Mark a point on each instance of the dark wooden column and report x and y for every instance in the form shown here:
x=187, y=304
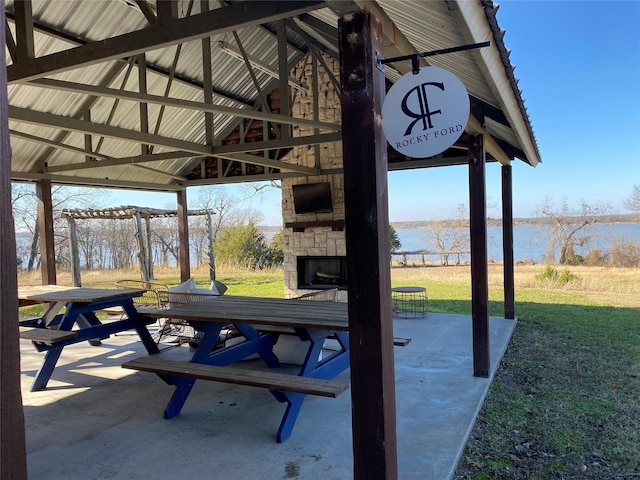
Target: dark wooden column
x=479, y=273
x=45, y=225
x=13, y=460
x=368, y=256
x=507, y=242
x=183, y=236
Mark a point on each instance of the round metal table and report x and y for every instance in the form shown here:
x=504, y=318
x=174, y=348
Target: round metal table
x=409, y=302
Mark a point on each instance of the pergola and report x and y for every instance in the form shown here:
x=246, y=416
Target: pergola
x=164, y=95
x=142, y=234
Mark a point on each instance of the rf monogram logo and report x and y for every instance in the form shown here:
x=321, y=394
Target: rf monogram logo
x=424, y=114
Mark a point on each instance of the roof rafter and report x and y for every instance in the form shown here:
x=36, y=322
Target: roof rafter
x=171, y=32
x=176, y=102
x=231, y=152
x=95, y=181
x=112, y=162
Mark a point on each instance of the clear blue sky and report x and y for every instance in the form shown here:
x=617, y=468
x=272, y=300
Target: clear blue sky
x=579, y=68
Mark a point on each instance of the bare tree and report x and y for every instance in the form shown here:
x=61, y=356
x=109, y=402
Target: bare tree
x=24, y=205
x=118, y=243
x=224, y=211
x=165, y=239
x=570, y=229
x=452, y=235
x=633, y=202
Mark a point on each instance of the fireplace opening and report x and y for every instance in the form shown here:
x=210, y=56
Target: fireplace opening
x=322, y=272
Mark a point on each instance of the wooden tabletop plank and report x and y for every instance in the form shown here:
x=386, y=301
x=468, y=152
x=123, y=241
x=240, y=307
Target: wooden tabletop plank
x=261, y=311
x=60, y=293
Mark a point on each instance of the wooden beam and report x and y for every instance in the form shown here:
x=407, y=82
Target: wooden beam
x=95, y=181
x=24, y=30
x=13, y=458
x=124, y=61
x=368, y=255
x=143, y=107
x=207, y=85
x=110, y=162
x=283, y=68
x=89, y=102
x=11, y=43
x=147, y=11
x=180, y=103
x=183, y=235
x=474, y=127
x=33, y=117
x=59, y=146
x=479, y=269
x=507, y=242
x=171, y=32
x=277, y=143
x=167, y=11
x=45, y=221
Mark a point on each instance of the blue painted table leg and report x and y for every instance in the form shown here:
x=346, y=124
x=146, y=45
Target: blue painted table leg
x=294, y=404
x=266, y=347
x=180, y=395
x=46, y=369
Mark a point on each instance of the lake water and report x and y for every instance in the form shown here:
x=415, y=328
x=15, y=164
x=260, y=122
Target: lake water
x=529, y=242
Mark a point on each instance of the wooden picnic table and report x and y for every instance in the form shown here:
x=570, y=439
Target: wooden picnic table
x=78, y=322
x=311, y=322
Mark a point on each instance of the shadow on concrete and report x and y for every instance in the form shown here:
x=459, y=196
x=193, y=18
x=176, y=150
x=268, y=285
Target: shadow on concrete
x=99, y=421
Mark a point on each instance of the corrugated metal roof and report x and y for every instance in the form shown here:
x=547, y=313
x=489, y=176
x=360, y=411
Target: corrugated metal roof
x=62, y=24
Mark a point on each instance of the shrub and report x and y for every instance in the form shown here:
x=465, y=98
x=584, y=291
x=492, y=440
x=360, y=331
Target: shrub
x=574, y=259
x=626, y=254
x=550, y=275
x=597, y=258
x=243, y=245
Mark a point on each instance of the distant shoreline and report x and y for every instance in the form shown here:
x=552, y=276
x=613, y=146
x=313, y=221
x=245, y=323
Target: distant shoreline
x=521, y=221
x=627, y=218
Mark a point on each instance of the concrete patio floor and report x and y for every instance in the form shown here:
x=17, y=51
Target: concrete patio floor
x=97, y=420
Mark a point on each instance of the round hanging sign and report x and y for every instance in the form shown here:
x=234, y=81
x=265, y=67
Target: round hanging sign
x=425, y=113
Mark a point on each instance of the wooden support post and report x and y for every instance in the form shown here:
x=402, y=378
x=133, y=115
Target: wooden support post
x=45, y=226
x=183, y=236
x=479, y=272
x=144, y=108
x=507, y=243
x=13, y=458
x=283, y=81
x=149, y=245
x=141, y=247
x=75, y=255
x=212, y=257
x=368, y=254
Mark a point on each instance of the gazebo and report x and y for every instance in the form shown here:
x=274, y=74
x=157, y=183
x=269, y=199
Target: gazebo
x=165, y=95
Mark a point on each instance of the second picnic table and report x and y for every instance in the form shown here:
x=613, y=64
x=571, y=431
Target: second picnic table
x=71, y=318
x=256, y=318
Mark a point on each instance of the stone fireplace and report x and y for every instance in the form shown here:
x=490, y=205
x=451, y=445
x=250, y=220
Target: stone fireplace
x=314, y=237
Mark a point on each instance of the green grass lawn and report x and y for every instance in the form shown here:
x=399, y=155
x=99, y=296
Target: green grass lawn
x=565, y=402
